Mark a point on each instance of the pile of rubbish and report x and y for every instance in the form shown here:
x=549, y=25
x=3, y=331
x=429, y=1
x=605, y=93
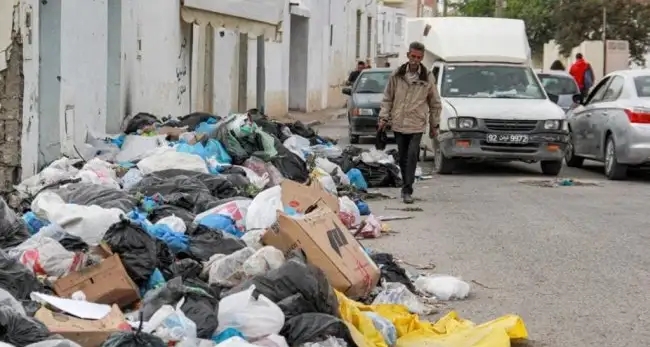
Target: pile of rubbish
x=203, y=231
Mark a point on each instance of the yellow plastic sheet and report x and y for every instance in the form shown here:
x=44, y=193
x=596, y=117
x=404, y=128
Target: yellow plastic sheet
x=448, y=331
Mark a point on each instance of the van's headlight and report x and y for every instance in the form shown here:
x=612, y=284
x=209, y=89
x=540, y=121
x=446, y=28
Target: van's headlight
x=553, y=124
x=461, y=123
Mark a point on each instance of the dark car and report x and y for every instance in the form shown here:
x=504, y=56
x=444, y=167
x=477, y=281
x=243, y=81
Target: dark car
x=364, y=102
x=562, y=85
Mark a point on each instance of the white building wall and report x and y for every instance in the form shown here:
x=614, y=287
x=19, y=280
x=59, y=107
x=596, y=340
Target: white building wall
x=391, y=31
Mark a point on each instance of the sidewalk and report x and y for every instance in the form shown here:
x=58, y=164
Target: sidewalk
x=316, y=117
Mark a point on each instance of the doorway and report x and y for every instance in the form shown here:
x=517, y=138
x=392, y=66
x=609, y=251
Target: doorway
x=298, y=62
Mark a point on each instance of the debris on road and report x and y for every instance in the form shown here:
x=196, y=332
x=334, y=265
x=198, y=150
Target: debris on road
x=405, y=209
x=206, y=231
x=560, y=182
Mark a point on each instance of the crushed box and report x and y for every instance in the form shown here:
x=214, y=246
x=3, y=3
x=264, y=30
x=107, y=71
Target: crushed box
x=329, y=245
x=105, y=283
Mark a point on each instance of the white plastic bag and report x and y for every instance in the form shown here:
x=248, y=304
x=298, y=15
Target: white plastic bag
x=168, y=158
x=171, y=324
x=228, y=271
x=174, y=223
x=327, y=151
x=332, y=169
x=264, y=260
x=54, y=343
x=131, y=178
x=136, y=147
x=7, y=300
x=90, y=223
x=97, y=171
x=262, y=212
x=443, y=287
x=349, y=212
x=236, y=210
x=297, y=144
x=397, y=293
x=330, y=342
x=258, y=181
x=235, y=341
x=371, y=228
x=45, y=256
x=254, y=318
x=253, y=238
x=272, y=340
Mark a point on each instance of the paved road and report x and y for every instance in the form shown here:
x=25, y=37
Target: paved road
x=572, y=261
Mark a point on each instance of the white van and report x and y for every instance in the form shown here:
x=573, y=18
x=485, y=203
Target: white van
x=494, y=107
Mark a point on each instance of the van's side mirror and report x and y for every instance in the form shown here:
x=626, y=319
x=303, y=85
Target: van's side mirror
x=577, y=98
x=553, y=97
x=346, y=90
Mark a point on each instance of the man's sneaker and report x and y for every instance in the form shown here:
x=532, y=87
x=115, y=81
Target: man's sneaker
x=408, y=199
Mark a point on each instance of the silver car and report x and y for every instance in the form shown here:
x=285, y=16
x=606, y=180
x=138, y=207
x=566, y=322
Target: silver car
x=561, y=84
x=612, y=125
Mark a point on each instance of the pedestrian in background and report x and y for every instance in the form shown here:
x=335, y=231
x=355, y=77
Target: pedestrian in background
x=409, y=99
x=557, y=66
x=354, y=74
x=583, y=74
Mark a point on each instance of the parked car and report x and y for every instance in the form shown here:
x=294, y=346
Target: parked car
x=612, y=124
x=364, y=102
x=560, y=83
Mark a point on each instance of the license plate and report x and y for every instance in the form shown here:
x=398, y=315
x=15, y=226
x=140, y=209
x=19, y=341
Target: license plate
x=507, y=138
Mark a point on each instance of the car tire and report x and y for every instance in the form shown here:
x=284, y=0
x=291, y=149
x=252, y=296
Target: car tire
x=572, y=160
x=354, y=139
x=441, y=164
x=551, y=167
x=613, y=169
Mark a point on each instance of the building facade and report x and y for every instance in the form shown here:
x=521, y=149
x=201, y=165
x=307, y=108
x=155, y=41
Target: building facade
x=75, y=67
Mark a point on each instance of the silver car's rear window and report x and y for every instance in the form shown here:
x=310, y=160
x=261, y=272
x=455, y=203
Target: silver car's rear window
x=642, y=84
x=558, y=85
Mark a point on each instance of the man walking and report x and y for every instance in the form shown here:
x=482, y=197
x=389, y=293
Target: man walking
x=583, y=74
x=354, y=74
x=409, y=99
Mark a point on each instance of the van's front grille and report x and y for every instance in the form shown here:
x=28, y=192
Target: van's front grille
x=513, y=126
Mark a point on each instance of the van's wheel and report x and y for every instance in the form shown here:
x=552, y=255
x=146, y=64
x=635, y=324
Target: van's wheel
x=354, y=139
x=442, y=165
x=613, y=169
x=572, y=160
x=551, y=167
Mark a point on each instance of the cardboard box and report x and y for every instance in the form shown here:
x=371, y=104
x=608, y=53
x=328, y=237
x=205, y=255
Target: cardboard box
x=105, y=283
x=300, y=196
x=328, y=245
x=87, y=333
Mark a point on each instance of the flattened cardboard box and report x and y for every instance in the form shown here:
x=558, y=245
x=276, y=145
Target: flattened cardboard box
x=105, y=283
x=87, y=333
x=300, y=197
x=328, y=245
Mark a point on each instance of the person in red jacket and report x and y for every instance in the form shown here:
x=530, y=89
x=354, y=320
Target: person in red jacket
x=582, y=72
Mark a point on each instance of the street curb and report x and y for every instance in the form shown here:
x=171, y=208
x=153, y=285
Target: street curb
x=339, y=115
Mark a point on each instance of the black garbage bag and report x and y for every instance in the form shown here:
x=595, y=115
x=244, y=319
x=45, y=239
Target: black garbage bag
x=219, y=185
x=163, y=211
x=299, y=128
x=231, y=144
x=165, y=256
x=390, y=271
x=16, y=279
x=20, y=330
x=380, y=175
x=13, y=230
x=96, y=194
x=185, y=268
x=140, y=121
x=315, y=327
x=182, y=191
x=133, y=339
x=381, y=139
x=206, y=242
x=295, y=278
x=192, y=120
x=136, y=247
x=292, y=167
x=73, y=243
x=200, y=303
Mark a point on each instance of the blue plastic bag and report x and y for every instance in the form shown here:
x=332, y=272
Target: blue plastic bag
x=215, y=149
x=385, y=327
x=206, y=128
x=357, y=180
x=197, y=149
x=363, y=207
x=34, y=224
x=221, y=222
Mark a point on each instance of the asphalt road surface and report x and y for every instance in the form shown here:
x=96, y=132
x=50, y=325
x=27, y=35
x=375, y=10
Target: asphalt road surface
x=573, y=261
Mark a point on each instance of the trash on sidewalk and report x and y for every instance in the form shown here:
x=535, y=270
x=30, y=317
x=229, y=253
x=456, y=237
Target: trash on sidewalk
x=215, y=231
x=561, y=182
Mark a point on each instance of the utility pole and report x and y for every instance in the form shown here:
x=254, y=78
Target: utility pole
x=444, y=8
x=498, y=8
x=604, y=40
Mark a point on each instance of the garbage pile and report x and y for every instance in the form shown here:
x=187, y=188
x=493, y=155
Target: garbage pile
x=204, y=231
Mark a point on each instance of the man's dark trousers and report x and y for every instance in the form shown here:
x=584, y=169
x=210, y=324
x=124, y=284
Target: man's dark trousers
x=408, y=148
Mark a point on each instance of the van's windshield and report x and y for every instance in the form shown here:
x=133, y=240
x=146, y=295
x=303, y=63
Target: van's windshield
x=490, y=81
